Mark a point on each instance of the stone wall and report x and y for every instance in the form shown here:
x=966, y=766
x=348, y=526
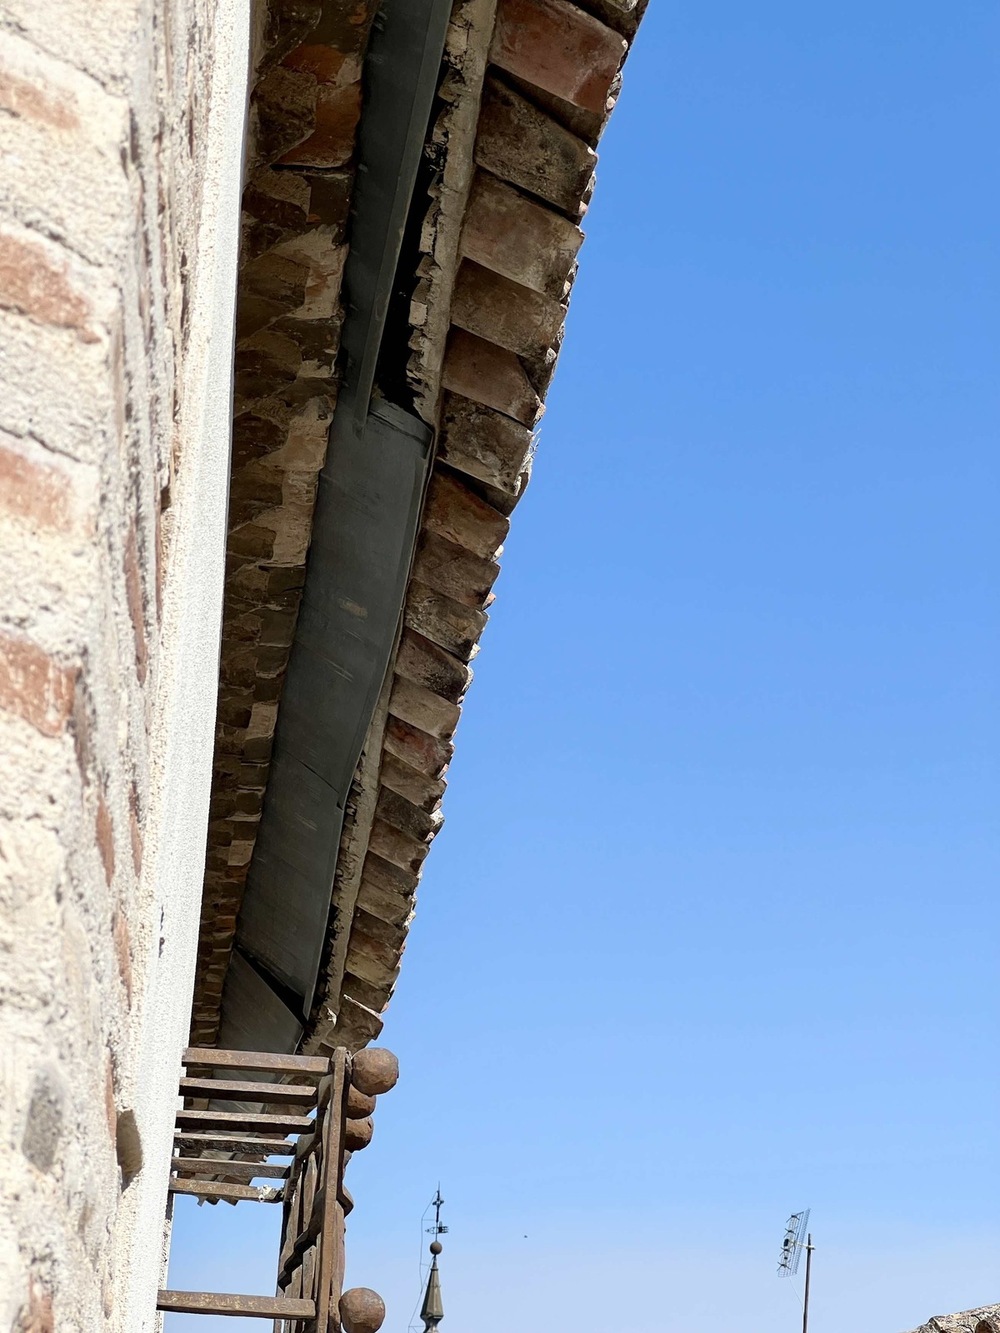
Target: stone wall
x=121, y=126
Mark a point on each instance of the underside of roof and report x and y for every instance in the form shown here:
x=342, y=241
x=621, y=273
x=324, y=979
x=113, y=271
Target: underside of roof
x=417, y=172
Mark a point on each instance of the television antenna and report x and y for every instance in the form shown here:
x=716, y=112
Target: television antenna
x=792, y=1246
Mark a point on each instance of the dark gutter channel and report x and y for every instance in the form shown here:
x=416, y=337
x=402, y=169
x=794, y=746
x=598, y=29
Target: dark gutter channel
x=364, y=532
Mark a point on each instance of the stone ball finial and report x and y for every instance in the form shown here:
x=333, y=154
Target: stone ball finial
x=436, y=1247
x=358, y=1105
x=375, y=1070
x=358, y=1134
x=361, y=1310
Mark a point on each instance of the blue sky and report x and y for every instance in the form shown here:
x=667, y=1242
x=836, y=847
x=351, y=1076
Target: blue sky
x=710, y=933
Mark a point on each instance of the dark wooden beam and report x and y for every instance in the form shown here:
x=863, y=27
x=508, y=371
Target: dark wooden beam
x=261, y=1062
x=273, y=1094
x=221, y=1303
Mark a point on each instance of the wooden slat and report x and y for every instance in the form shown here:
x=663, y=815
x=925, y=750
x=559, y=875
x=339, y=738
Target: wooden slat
x=261, y=1062
x=222, y=1303
x=222, y=1166
x=329, y=1272
x=244, y=1122
x=223, y=1189
x=266, y=1145
x=273, y=1094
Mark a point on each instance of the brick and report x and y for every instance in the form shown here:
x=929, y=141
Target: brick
x=420, y=660
x=44, y=492
x=358, y=1024
x=558, y=47
x=362, y=992
x=451, y=569
x=136, y=604
x=379, y=939
x=386, y=906
x=123, y=952
x=105, y=835
x=34, y=686
x=448, y=623
x=423, y=791
x=520, y=143
x=505, y=312
x=363, y=963
x=455, y=512
x=488, y=374
x=335, y=124
x=423, y=709
x=398, y=847
x=35, y=280
x=510, y=234
x=404, y=815
x=483, y=443
x=387, y=877
x=418, y=748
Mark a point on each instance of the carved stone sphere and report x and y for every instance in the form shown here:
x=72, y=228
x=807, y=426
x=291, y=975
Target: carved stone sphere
x=361, y=1310
x=358, y=1105
x=436, y=1247
x=358, y=1134
x=375, y=1071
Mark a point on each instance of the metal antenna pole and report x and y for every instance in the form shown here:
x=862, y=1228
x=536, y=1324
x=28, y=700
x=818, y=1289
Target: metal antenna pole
x=809, y=1264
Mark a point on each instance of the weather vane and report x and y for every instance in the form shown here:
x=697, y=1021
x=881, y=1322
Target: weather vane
x=432, y=1310
x=792, y=1246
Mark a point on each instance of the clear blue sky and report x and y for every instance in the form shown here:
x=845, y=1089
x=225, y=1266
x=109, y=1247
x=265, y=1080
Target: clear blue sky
x=710, y=934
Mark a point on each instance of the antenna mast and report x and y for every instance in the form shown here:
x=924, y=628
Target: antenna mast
x=792, y=1246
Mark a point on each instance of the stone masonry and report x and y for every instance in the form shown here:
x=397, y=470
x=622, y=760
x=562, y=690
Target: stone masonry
x=116, y=121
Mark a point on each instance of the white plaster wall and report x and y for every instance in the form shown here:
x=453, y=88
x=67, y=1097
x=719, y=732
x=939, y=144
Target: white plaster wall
x=185, y=726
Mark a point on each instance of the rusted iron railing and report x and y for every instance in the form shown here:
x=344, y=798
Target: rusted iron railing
x=242, y=1110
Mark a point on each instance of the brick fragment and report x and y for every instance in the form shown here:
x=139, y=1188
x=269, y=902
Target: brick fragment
x=559, y=48
x=36, y=281
x=105, y=834
x=44, y=493
x=34, y=686
x=136, y=604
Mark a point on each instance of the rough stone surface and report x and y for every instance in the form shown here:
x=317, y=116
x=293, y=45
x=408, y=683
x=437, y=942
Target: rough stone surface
x=984, y=1319
x=118, y=124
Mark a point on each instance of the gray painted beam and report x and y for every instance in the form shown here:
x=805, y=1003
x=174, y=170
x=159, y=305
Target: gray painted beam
x=364, y=533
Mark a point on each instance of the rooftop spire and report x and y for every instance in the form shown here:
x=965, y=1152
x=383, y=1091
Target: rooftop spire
x=432, y=1310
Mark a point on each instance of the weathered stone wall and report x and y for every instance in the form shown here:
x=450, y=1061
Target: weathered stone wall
x=120, y=130
x=984, y=1319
